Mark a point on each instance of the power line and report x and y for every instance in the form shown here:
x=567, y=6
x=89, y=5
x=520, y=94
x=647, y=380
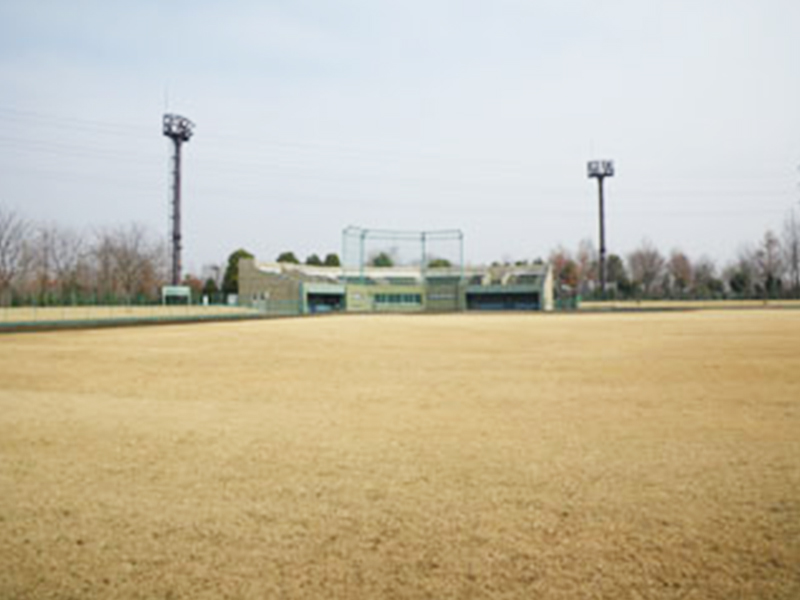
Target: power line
x=498, y=168
x=106, y=127
x=72, y=177
x=126, y=129
x=313, y=172
x=73, y=150
x=297, y=163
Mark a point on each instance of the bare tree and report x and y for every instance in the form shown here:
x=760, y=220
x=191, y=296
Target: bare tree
x=102, y=257
x=706, y=282
x=679, y=269
x=130, y=255
x=741, y=274
x=769, y=262
x=587, y=262
x=13, y=234
x=617, y=277
x=40, y=259
x=70, y=263
x=791, y=251
x=127, y=263
x=646, y=266
x=565, y=272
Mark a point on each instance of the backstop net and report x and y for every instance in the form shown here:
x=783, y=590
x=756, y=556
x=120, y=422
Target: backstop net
x=440, y=251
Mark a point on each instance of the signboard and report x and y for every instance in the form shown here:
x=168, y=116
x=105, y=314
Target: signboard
x=183, y=292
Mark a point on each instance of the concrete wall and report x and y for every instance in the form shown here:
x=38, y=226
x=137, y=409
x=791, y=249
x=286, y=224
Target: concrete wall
x=547, y=290
x=268, y=291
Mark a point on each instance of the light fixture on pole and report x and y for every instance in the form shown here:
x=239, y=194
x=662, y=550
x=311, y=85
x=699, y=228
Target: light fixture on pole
x=179, y=130
x=600, y=169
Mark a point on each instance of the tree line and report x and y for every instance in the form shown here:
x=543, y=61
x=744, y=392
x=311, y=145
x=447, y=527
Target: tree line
x=766, y=269
x=50, y=264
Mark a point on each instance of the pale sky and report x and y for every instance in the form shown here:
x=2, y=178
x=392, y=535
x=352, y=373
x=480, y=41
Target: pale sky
x=311, y=116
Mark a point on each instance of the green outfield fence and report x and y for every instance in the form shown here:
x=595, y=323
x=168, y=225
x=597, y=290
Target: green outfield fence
x=53, y=312
x=88, y=311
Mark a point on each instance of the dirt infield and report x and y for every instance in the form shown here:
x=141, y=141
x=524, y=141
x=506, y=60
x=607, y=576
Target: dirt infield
x=563, y=456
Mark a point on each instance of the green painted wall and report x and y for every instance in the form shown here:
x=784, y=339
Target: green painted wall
x=364, y=298
x=444, y=297
x=358, y=298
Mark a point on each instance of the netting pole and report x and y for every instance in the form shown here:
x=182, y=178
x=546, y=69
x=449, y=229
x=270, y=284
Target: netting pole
x=361, y=255
x=422, y=264
x=343, y=259
x=461, y=252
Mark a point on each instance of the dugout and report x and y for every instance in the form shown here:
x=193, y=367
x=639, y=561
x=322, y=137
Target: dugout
x=503, y=299
x=323, y=297
x=503, y=287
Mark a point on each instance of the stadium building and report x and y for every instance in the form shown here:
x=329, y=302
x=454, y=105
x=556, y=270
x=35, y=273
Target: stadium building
x=286, y=288
x=427, y=274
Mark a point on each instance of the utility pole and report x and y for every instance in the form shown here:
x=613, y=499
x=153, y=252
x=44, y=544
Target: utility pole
x=179, y=130
x=600, y=169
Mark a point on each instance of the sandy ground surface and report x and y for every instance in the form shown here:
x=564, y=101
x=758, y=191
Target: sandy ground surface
x=562, y=456
x=54, y=314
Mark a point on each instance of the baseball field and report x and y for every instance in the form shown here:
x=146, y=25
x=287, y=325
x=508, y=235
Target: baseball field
x=614, y=456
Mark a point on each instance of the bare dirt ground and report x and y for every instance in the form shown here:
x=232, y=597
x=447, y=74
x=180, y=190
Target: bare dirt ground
x=562, y=456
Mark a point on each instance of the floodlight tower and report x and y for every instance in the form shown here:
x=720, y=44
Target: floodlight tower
x=179, y=130
x=600, y=169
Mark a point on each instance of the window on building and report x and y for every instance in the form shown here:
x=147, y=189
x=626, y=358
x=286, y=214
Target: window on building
x=402, y=299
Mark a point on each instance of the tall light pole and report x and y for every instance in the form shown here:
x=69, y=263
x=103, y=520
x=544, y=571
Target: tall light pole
x=600, y=169
x=179, y=130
